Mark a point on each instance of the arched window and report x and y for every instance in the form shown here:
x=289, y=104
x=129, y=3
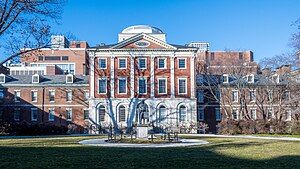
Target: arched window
x=182, y=113
x=121, y=113
x=101, y=113
x=162, y=113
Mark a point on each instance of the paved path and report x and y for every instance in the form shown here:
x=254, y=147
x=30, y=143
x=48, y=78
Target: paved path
x=244, y=136
x=103, y=143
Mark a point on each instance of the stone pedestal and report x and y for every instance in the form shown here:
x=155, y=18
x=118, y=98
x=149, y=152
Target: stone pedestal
x=142, y=131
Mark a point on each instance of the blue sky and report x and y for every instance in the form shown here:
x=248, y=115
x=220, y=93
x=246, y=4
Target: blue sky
x=263, y=26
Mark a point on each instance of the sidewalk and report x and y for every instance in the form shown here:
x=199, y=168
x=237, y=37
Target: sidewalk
x=244, y=136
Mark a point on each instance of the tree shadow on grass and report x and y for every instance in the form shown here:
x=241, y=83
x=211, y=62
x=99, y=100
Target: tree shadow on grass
x=105, y=157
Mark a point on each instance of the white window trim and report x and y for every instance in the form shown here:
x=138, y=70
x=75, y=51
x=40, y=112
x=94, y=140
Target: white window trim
x=185, y=118
x=289, y=118
x=86, y=91
x=119, y=63
x=54, y=95
x=145, y=63
x=34, y=101
x=237, y=114
x=165, y=63
x=219, y=113
x=102, y=78
x=162, y=78
x=69, y=101
x=184, y=63
x=237, y=96
x=86, y=109
x=252, y=76
x=254, y=91
x=69, y=109
x=67, y=77
x=50, y=114
x=225, y=76
x=178, y=91
x=4, y=78
x=272, y=113
x=32, y=119
x=254, y=112
x=15, y=96
x=100, y=64
x=144, y=78
x=35, y=75
x=122, y=78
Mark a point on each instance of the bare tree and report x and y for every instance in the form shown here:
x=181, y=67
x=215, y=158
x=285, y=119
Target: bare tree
x=25, y=24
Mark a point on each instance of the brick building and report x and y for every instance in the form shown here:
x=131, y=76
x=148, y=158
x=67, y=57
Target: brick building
x=142, y=79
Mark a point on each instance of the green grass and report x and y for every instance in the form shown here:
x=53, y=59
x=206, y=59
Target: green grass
x=278, y=135
x=65, y=152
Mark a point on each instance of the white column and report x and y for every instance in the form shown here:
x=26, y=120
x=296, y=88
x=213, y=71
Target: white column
x=172, y=67
x=132, y=76
x=193, y=76
x=112, y=76
x=152, y=76
x=92, y=74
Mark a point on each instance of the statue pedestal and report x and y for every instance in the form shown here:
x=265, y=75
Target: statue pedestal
x=142, y=131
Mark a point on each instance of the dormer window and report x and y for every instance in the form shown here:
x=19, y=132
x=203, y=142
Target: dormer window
x=225, y=78
x=275, y=78
x=250, y=78
x=2, y=78
x=69, y=78
x=35, y=78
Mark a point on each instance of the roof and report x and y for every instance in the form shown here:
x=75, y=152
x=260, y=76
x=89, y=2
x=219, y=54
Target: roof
x=45, y=80
x=142, y=29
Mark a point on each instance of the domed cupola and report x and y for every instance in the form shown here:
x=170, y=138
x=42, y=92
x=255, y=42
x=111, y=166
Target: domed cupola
x=137, y=29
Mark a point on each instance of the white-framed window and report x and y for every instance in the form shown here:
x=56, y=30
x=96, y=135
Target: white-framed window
x=102, y=85
x=218, y=114
x=286, y=95
x=142, y=85
x=200, y=96
x=17, y=114
x=200, y=113
x=51, y=114
x=102, y=112
x=69, y=113
x=122, y=63
x=51, y=95
x=162, y=110
x=253, y=113
x=162, y=63
x=182, y=63
x=2, y=78
x=235, y=95
x=86, y=114
x=182, y=113
x=252, y=95
x=182, y=86
x=102, y=63
x=122, y=113
x=17, y=95
x=69, y=96
x=162, y=85
x=2, y=94
x=250, y=78
x=86, y=95
x=69, y=78
x=225, y=78
x=235, y=114
x=34, y=114
x=288, y=115
x=34, y=95
x=122, y=85
x=142, y=63
x=35, y=78
x=270, y=95
x=270, y=113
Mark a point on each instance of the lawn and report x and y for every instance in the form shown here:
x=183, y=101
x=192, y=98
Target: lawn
x=65, y=152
